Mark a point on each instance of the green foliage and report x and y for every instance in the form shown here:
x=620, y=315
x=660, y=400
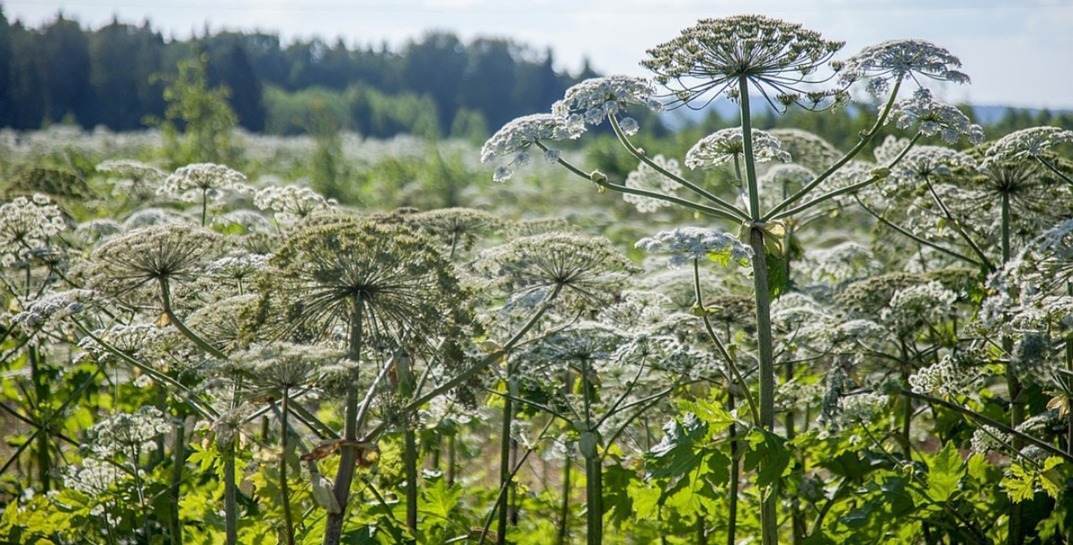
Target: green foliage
x=198, y=120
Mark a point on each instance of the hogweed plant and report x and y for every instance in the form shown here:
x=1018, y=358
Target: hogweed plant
x=769, y=340
x=789, y=66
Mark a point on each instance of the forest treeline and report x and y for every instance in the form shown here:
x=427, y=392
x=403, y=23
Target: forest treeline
x=436, y=85
x=115, y=76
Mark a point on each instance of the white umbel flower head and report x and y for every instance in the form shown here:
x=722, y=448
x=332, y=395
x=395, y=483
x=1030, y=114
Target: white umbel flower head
x=1027, y=143
x=684, y=244
x=93, y=477
x=778, y=57
x=932, y=117
x=26, y=225
x=193, y=182
x=989, y=438
x=895, y=60
x=129, y=433
x=53, y=306
x=919, y=305
x=725, y=145
x=648, y=178
x=512, y=142
x=592, y=100
x=280, y=365
x=290, y=203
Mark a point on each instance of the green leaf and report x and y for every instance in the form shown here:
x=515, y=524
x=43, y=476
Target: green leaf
x=645, y=499
x=441, y=498
x=945, y=470
x=768, y=455
x=677, y=453
x=1019, y=484
x=711, y=412
x=978, y=466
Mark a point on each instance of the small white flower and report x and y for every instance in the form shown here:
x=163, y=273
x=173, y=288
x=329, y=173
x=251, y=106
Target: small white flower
x=685, y=244
x=194, y=182
x=1027, y=143
x=887, y=62
x=512, y=141
x=26, y=226
x=725, y=145
x=931, y=117
x=290, y=203
x=592, y=100
x=648, y=178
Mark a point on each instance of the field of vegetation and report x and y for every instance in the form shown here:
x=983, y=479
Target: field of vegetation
x=844, y=315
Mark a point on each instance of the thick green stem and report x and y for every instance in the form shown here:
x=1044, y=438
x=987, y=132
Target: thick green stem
x=1015, y=533
x=410, y=462
x=564, y=504
x=40, y=382
x=593, y=486
x=178, y=461
x=349, y=451
x=230, y=496
x=768, y=507
x=504, y=461
x=284, y=489
x=594, y=500
x=410, y=456
x=452, y=447
x=735, y=478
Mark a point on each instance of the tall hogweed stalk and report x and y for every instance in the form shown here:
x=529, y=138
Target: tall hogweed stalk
x=736, y=57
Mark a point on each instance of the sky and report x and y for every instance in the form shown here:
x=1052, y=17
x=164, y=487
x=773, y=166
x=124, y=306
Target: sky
x=1018, y=52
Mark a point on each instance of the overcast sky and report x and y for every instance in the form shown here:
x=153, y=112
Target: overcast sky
x=1018, y=52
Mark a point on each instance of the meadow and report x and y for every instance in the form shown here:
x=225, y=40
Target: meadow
x=579, y=329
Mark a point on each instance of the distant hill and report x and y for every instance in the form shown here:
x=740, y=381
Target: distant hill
x=985, y=114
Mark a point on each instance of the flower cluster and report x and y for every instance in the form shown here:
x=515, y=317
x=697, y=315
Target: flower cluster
x=51, y=307
x=685, y=244
x=727, y=145
x=133, y=177
x=163, y=252
x=93, y=477
x=26, y=226
x=290, y=203
x=648, y=178
x=593, y=100
x=895, y=60
x=1027, y=144
x=921, y=305
x=588, y=271
x=237, y=266
x=280, y=365
x=862, y=407
x=708, y=59
x=989, y=439
x=949, y=377
x=198, y=181
x=514, y=139
x=807, y=149
x=932, y=117
x=140, y=340
x=846, y=261
x=128, y=434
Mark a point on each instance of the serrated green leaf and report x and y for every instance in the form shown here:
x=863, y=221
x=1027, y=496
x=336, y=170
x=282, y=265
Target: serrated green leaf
x=768, y=455
x=945, y=470
x=677, y=453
